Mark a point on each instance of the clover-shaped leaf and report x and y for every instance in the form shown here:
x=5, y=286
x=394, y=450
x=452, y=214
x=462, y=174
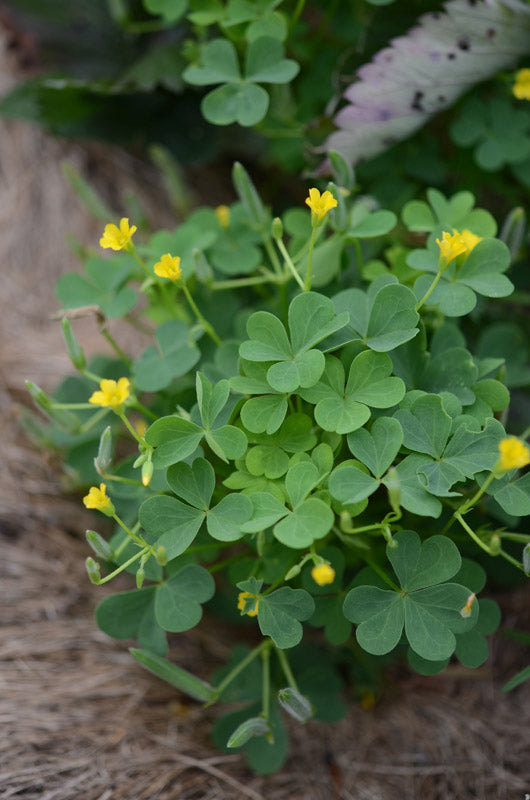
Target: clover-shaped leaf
x=266, y=412
x=310, y=518
x=175, y=524
x=178, y=600
x=514, y=497
x=240, y=98
x=311, y=320
x=280, y=613
x=378, y=447
x=344, y=406
x=102, y=285
x=127, y=614
x=427, y=608
x=480, y=272
x=441, y=213
x=427, y=428
x=382, y=318
x=176, y=438
x=175, y=355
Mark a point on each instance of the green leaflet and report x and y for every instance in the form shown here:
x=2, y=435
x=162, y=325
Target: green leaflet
x=427, y=608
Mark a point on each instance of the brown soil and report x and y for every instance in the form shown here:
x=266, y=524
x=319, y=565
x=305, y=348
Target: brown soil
x=80, y=718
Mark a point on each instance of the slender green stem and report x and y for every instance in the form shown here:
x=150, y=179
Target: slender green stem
x=119, y=550
x=512, y=560
x=266, y=690
x=303, y=250
x=72, y=406
x=120, y=479
x=271, y=253
x=204, y=322
x=358, y=253
x=94, y=419
x=90, y=375
x=282, y=658
x=291, y=267
x=296, y=15
x=382, y=574
x=429, y=291
x=243, y=664
x=131, y=430
x=515, y=537
x=472, y=533
x=241, y=282
x=140, y=261
x=308, y=276
x=140, y=407
x=472, y=500
x=364, y=528
x=115, y=346
x=132, y=534
x=124, y=566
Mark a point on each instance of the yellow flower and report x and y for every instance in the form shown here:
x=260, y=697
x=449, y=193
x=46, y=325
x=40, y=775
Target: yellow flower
x=323, y=574
x=97, y=498
x=521, y=87
x=168, y=267
x=320, y=204
x=242, y=599
x=469, y=239
x=513, y=454
x=118, y=238
x=223, y=215
x=451, y=246
x=111, y=394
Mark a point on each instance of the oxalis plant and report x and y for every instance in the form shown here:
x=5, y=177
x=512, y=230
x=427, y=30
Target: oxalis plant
x=313, y=443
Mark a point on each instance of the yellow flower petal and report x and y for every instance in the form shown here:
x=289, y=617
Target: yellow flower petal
x=168, y=267
x=451, y=246
x=470, y=239
x=320, y=204
x=97, y=499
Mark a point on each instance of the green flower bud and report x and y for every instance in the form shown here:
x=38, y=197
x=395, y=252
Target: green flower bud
x=343, y=173
x=256, y=726
x=295, y=704
x=147, y=472
x=203, y=270
x=93, y=571
x=98, y=544
x=513, y=230
x=140, y=577
x=161, y=555
x=64, y=418
x=73, y=348
x=104, y=456
x=277, y=228
x=293, y=572
x=495, y=544
x=247, y=193
x=394, y=489
x=526, y=559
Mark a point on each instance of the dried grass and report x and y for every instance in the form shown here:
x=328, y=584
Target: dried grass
x=79, y=718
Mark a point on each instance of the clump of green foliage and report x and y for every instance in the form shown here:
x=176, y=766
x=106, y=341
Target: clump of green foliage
x=314, y=445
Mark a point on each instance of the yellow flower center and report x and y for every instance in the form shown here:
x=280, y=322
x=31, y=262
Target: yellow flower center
x=97, y=498
x=111, y=394
x=168, y=267
x=514, y=454
x=118, y=238
x=242, y=603
x=521, y=87
x=323, y=574
x=320, y=204
x=223, y=215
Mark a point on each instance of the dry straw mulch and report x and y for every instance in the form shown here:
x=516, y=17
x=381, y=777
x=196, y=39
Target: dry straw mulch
x=79, y=718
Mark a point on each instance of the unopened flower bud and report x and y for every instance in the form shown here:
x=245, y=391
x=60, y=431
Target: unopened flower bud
x=140, y=577
x=495, y=544
x=93, y=571
x=393, y=487
x=203, y=270
x=526, y=559
x=277, y=228
x=73, y=348
x=293, y=572
x=512, y=232
x=98, y=544
x=295, y=704
x=147, y=472
x=247, y=192
x=104, y=456
x=161, y=555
